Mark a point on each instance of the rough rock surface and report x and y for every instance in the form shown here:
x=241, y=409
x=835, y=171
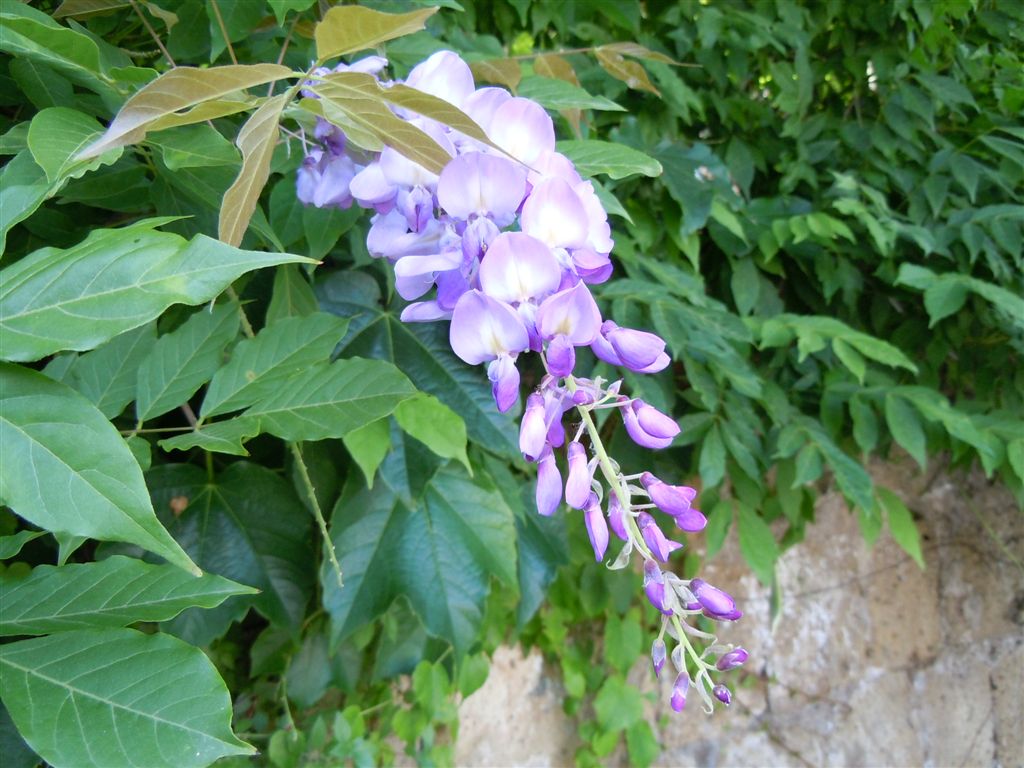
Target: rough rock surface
x=872, y=662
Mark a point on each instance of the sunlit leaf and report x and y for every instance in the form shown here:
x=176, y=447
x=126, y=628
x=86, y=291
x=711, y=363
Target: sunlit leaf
x=629, y=72
x=368, y=446
x=114, y=592
x=615, y=160
x=107, y=375
x=113, y=281
x=435, y=425
x=350, y=28
x=221, y=437
x=193, y=146
x=256, y=140
x=162, y=701
x=179, y=89
x=638, y=51
x=505, y=72
x=93, y=485
x=292, y=295
x=558, y=94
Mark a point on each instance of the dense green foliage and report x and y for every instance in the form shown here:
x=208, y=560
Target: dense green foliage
x=832, y=250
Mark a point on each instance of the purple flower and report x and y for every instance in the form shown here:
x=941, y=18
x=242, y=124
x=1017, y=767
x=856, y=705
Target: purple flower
x=675, y=500
x=518, y=268
x=658, y=655
x=549, y=483
x=485, y=329
x=716, y=603
x=648, y=426
x=722, y=694
x=482, y=185
x=522, y=128
x=639, y=351
x=554, y=214
x=571, y=313
x=679, y=691
x=597, y=529
x=654, y=586
x=617, y=516
x=577, y=486
x=731, y=660
x=444, y=75
x=533, y=430
x=660, y=547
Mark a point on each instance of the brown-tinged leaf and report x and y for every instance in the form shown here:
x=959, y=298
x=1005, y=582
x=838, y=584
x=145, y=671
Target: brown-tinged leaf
x=501, y=71
x=371, y=114
x=87, y=7
x=179, y=89
x=421, y=103
x=552, y=65
x=356, y=133
x=208, y=110
x=638, y=51
x=629, y=72
x=349, y=28
x=256, y=140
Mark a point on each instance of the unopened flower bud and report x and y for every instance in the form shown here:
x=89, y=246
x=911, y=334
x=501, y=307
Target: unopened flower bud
x=617, y=516
x=722, y=694
x=577, y=485
x=658, y=655
x=679, y=691
x=533, y=430
x=597, y=528
x=716, y=603
x=654, y=586
x=660, y=547
x=636, y=431
x=549, y=483
x=675, y=500
x=731, y=660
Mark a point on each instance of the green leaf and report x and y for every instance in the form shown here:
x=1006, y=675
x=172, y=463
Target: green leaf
x=260, y=367
x=23, y=188
x=292, y=295
x=43, y=87
x=55, y=137
x=390, y=544
x=176, y=90
x=554, y=93
x=331, y=400
x=623, y=641
x=435, y=425
x=618, y=705
x=901, y=525
x=193, y=146
x=368, y=446
x=10, y=546
x=943, y=298
x=256, y=139
x=642, y=744
x=118, y=697
x=93, y=486
x=113, y=281
x=184, y=360
x=615, y=160
x=851, y=358
x=757, y=544
x=351, y=28
x=745, y=284
x=107, y=376
x=712, y=458
x=1015, y=456
x=222, y=437
x=865, y=424
x=281, y=7
x=247, y=525
x=905, y=425
x=629, y=72
x=423, y=352
x=853, y=480
x=114, y=592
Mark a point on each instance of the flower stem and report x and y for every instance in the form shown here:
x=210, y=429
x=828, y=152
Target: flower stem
x=317, y=512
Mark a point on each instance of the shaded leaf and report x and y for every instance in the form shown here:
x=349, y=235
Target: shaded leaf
x=559, y=94
x=56, y=135
x=629, y=72
x=162, y=701
x=23, y=188
x=368, y=446
x=905, y=425
x=292, y=295
x=757, y=544
x=10, y=546
x=114, y=592
x=93, y=485
x=221, y=437
x=193, y=146
x=107, y=376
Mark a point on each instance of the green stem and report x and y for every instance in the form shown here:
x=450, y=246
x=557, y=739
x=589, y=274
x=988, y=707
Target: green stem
x=317, y=512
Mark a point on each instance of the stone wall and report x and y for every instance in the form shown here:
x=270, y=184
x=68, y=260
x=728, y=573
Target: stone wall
x=872, y=662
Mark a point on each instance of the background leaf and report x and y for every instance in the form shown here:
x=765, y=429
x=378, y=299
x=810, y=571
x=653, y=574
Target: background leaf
x=350, y=28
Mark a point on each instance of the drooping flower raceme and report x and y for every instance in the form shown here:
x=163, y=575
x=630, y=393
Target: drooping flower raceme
x=506, y=246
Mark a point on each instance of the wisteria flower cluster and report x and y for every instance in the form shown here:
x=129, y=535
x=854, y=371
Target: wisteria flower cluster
x=504, y=245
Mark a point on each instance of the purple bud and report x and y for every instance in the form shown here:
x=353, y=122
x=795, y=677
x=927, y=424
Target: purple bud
x=504, y=378
x=534, y=429
x=675, y=500
x=660, y=547
x=658, y=656
x=561, y=357
x=636, y=431
x=679, y=691
x=653, y=421
x=654, y=586
x=731, y=660
x=638, y=350
x=577, y=486
x=716, y=603
x=722, y=694
x=549, y=483
x=617, y=516
x=597, y=529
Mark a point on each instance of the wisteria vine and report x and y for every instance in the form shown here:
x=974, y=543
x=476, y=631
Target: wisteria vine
x=504, y=245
